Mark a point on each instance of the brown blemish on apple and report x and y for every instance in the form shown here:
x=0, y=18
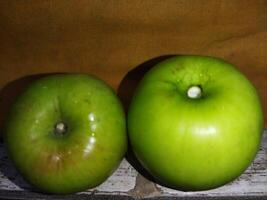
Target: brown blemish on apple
x=54, y=162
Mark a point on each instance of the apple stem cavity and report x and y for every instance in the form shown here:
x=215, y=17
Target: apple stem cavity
x=194, y=92
x=60, y=129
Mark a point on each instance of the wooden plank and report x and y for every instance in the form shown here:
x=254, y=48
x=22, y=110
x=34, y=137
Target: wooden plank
x=127, y=183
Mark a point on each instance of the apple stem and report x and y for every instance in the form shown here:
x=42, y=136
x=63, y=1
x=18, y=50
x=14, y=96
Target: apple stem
x=194, y=92
x=60, y=128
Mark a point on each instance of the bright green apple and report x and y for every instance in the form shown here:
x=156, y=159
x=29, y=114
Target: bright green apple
x=66, y=133
x=195, y=122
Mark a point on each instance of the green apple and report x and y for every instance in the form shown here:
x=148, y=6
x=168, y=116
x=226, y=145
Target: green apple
x=195, y=122
x=66, y=133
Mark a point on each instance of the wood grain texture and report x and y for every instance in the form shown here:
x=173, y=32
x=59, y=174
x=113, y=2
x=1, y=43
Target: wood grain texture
x=111, y=38
x=127, y=182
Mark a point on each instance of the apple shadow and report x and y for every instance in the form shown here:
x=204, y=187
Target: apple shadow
x=125, y=92
x=11, y=91
x=131, y=80
x=8, y=96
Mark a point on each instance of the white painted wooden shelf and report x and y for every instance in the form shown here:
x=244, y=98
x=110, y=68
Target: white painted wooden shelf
x=127, y=183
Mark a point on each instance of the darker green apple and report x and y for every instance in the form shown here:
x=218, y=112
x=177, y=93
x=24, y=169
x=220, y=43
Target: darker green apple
x=195, y=122
x=66, y=133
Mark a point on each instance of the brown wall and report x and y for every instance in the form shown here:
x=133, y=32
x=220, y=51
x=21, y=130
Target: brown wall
x=111, y=38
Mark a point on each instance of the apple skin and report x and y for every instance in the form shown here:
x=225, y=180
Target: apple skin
x=195, y=144
x=90, y=149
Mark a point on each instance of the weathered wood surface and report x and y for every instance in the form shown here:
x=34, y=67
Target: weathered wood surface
x=127, y=183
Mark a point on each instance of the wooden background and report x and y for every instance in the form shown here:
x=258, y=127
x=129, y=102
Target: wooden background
x=118, y=40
